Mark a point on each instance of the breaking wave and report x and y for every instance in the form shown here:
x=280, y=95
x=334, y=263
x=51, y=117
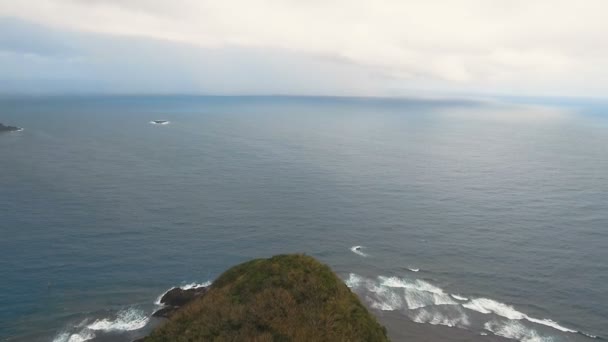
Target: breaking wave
x=486, y=306
x=516, y=330
x=129, y=319
x=459, y=297
x=424, y=302
x=75, y=337
x=357, y=250
x=414, y=269
x=195, y=285
x=189, y=286
x=451, y=318
x=125, y=320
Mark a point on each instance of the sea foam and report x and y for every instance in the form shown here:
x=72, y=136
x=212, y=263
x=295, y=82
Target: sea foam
x=487, y=306
x=457, y=318
x=75, y=337
x=424, y=302
x=125, y=320
x=516, y=330
x=189, y=286
x=357, y=250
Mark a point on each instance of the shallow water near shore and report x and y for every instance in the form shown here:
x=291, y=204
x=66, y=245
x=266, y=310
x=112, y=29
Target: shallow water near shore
x=485, y=218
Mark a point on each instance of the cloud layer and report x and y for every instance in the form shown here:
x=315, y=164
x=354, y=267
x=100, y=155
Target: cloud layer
x=538, y=47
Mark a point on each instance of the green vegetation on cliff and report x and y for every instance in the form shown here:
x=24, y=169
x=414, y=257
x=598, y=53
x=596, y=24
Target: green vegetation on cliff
x=284, y=298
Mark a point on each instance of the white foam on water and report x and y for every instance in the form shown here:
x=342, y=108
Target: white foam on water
x=357, y=250
x=353, y=281
x=393, y=292
x=386, y=299
x=459, y=297
x=392, y=282
x=183, y=287
x=76, y=337
x=443, y=299
x=589, y=335
x=195, y=285
x=550, y=323
x=417, y=300
x=159, y=298
x=436, y=317
x=126, y=320
x=431, y=304
x=160, y=123
x=421, y=285
x=515, y=330
x=418, y=285
x=414, y=269
x=420, y=299
x=487, y=306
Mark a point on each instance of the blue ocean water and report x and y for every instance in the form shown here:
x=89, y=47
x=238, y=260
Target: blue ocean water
x=486, y=216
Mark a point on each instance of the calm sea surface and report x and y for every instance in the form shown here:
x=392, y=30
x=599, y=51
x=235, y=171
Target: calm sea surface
x=488, y=217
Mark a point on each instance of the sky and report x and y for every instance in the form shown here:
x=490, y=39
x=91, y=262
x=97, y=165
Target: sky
x=305, y=47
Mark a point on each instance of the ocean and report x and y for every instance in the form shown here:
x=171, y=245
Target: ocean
x=488, y=217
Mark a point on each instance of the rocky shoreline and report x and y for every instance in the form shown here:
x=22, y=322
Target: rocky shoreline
x=176, y=298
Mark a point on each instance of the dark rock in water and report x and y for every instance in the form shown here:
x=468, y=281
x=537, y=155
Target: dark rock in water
x=4, y=128
x=176, y=298
x=165, y=312
x=180, y=297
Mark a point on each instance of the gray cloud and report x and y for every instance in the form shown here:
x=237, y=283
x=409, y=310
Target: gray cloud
x=52, y=60
x=510, y=46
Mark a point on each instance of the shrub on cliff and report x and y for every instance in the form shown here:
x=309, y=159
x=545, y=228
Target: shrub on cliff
x=283, y=298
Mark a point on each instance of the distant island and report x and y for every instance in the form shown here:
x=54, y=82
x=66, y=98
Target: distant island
x=4, y=128
x=283, y=298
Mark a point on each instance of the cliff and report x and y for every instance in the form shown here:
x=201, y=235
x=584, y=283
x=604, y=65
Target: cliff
x=283, y=298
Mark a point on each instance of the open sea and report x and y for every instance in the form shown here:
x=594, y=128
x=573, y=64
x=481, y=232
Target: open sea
x=484, y=217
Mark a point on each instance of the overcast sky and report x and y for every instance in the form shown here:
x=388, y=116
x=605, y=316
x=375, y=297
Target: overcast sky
x=325, y=47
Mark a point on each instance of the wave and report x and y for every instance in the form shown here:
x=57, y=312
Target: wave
x=487, y=306
x=424, y=302
x=418, y=293
x=76, y=337
x=457, y=318
x=160, y=122
x=129, y=319
x=189, y=286
x=393, y=293
x=195, y=285
x=590, y=336
x=459, y=297
x=414, y=269
x=516, y=330
x=353, y=281
x=357, y=250
x=125, y=320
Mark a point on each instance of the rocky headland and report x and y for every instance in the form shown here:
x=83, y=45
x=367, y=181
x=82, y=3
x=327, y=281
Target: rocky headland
x=283, y=298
